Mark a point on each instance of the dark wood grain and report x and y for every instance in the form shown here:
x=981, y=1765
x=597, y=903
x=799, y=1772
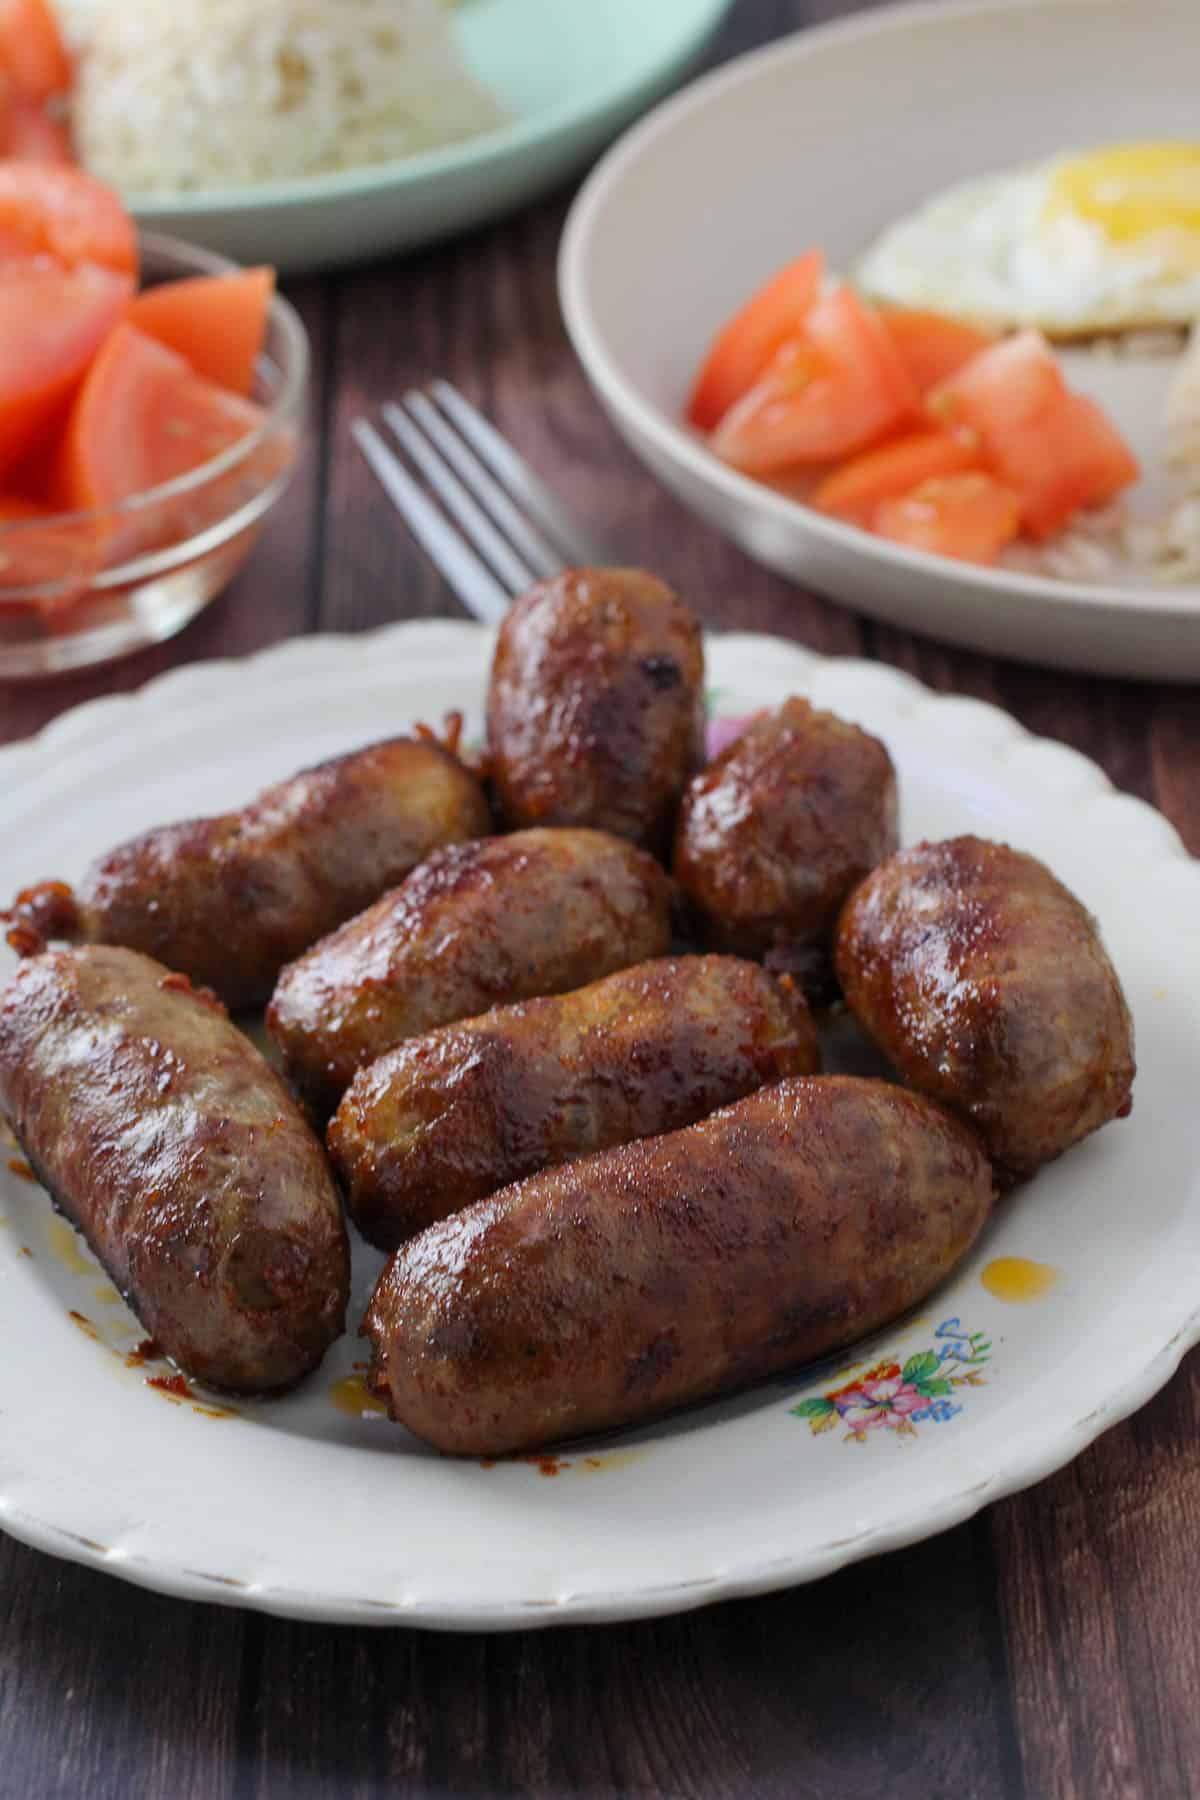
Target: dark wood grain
x=1103, y=1645
x=761, y=1697
x=105, y=1690
x=1048, y=1648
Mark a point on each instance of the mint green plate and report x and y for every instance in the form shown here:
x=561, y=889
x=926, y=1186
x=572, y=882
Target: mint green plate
x=572, y=73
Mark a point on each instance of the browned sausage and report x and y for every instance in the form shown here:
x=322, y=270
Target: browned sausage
x=776, y=831
x=478, y=924
x=447, y=1118
x=173, y=1146
x=984, y=981
x=229, y=900
x=669, y=1270
x=596, y=706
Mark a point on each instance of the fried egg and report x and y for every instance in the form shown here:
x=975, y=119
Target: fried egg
x=1104, y=241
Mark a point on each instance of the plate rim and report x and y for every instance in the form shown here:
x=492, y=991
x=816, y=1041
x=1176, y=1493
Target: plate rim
x=518, y=136
x=672, y=439
x=747, y=1576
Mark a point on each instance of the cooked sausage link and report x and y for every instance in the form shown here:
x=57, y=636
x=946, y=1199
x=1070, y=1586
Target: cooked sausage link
x=450, y=1117
x=985, y=982
x=777, y=830
x=609, y=1290
x=596, y=705
x=477, y=925
x=180, y=1155
x=229, y=900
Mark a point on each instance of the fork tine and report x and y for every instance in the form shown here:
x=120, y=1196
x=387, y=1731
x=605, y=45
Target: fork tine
x=475, y=585
x=520, y=480
x=485, y=487
x=470, y=517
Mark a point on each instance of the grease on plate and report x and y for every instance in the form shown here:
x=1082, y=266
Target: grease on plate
x=351, y=1396
x=64, y=1243
x=172, y=1387
x=1018, y=1278
x=614, y=1459
x=550, y=1465
x=546, y=1465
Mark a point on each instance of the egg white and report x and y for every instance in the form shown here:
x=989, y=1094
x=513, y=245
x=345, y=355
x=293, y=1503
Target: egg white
x=983, y=252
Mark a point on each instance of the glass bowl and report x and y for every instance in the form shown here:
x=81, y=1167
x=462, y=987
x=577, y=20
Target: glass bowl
x=81, y=588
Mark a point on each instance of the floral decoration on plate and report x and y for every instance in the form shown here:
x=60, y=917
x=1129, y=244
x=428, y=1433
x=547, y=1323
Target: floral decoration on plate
x=901, y=1396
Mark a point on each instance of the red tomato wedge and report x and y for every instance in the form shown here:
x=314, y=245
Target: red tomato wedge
x=52, y=322
x=1101, y=461
x=29, y=134
x=218, y=322
x=968, y=516
x=1018, y=377
x=829, y=392
x=854, y=490
x=743, y=349
x=1055, y=449
x=32, y=51
x=932, y=347
x=142, y=417
x=46, y=211
x=14, y=508
x=46, y=551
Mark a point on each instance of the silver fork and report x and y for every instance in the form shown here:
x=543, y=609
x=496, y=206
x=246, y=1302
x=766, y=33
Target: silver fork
x=498, y=528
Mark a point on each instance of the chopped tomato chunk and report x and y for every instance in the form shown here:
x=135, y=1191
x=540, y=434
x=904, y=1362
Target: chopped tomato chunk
x=218, y=322
x=32, y=52
x=1101, y=461
x=969, y=516
x=854, y=490
x=142, y=417
x=827, y=393
x=1017, y=376
x=933, y=347
x=743, y=349
x=63, y=213
x=15, y=507
x=29, y=134
x=52, y=322
x=1055, y=449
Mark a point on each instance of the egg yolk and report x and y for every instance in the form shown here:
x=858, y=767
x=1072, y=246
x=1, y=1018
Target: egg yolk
x=1132, y=192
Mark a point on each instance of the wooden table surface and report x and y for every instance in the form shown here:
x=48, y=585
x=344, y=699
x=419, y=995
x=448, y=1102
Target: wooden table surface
x=1049, y=1647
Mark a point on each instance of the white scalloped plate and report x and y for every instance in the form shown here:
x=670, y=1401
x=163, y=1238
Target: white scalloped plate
x=300, y=1509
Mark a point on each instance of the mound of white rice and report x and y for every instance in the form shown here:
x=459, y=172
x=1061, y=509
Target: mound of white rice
x=179, y=95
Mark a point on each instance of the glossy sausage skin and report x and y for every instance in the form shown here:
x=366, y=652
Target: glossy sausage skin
x=596, y=706
x=667, y=1271
x=228, y=901
x=180, y=1155
x=476, y=925
x=775, y=832
x=984, y=981
x=448, y=1118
